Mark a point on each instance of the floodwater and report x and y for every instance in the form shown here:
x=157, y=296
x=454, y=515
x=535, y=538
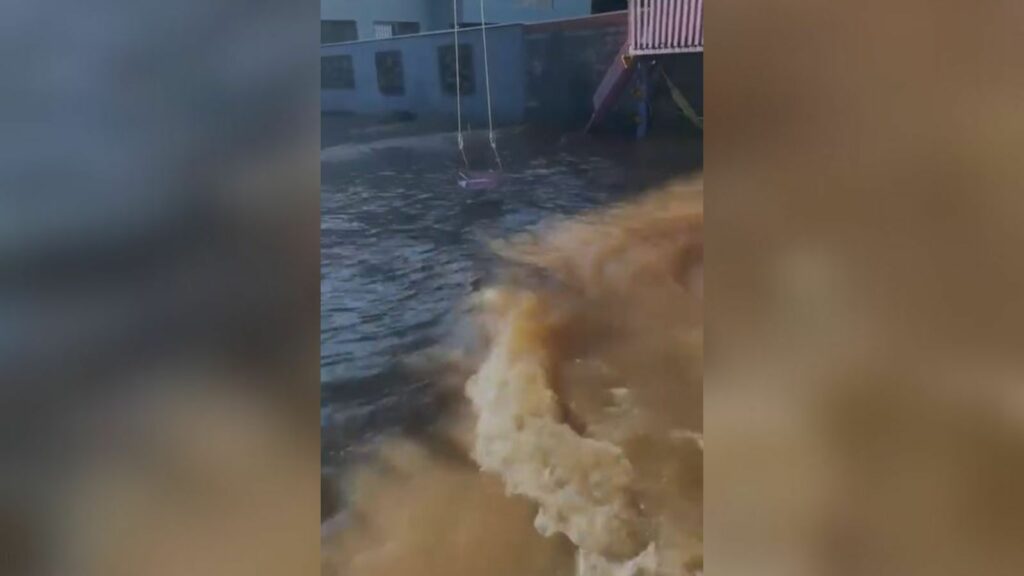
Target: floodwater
x=402, y=245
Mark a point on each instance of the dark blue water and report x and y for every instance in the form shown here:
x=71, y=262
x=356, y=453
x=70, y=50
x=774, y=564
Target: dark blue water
x=401, y=245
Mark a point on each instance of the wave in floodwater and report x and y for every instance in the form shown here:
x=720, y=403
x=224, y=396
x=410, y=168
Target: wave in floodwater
x=575, y=444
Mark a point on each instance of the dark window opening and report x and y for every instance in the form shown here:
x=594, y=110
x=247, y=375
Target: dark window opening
x=390, y=76
x=446, y=65
x=338, y=31
x=602, y=6
x=336, y=73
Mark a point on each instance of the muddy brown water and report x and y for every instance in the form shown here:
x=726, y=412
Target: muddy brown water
x=402, y=245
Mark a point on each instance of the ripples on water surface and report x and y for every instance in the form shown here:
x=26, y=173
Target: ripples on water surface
x=401, y=245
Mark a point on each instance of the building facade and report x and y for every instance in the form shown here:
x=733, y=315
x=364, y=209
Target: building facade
x=349, y=20
x=416, y=75
x=543, y=73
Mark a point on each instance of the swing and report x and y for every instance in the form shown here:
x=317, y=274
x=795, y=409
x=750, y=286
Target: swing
x=467, y=177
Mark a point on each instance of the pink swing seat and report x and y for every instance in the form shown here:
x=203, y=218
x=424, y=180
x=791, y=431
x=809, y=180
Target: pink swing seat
x=479, y=180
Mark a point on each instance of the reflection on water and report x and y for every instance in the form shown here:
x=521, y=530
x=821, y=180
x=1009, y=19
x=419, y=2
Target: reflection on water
x=402, y=245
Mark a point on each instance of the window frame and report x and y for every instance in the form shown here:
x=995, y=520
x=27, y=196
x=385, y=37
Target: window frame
x=385, y=88
x=393, y=26
x=352, y=24
x=467, y=76
x=349, y=84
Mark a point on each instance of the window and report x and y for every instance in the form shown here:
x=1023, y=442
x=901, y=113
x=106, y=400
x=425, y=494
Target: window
x=602, y=6
x=390, y=76
x=336, y=73
x=392, y=29
x=338, y=31
x=446, y=64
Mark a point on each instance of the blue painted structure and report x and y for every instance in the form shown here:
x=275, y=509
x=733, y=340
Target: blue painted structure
x=435, y=15
x=429, y=14
x=525, y=10
x=422, y=76
x=543, y=73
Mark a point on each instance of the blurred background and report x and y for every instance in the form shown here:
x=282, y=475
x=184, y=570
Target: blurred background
x=158, y=287
x=864, y=389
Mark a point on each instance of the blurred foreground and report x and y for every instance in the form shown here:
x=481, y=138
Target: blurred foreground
x=158, y=288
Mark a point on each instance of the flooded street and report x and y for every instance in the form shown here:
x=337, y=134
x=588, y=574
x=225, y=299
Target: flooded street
x=402, y=244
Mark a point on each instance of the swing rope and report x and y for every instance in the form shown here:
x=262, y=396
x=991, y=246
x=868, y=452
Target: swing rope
x=487, y=82
x=458, y=83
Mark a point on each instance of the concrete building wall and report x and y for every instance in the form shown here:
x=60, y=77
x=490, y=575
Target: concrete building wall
x=441, y=14
x=366, y=12
x=543, y=73
x=435, y=15
x=424, y=95
x=502, y=11
x=565, y=62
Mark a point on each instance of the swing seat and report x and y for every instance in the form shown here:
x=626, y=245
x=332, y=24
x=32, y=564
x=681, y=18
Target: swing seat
x=479, y=180
x=470, y=179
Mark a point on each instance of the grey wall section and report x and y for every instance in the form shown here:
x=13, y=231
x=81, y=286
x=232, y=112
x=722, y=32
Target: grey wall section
x=366, y=12
x=437, y=14
x=441, y=15
x=543, y=74
x=565, y=62
x=423, y=94
x=513, y=11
